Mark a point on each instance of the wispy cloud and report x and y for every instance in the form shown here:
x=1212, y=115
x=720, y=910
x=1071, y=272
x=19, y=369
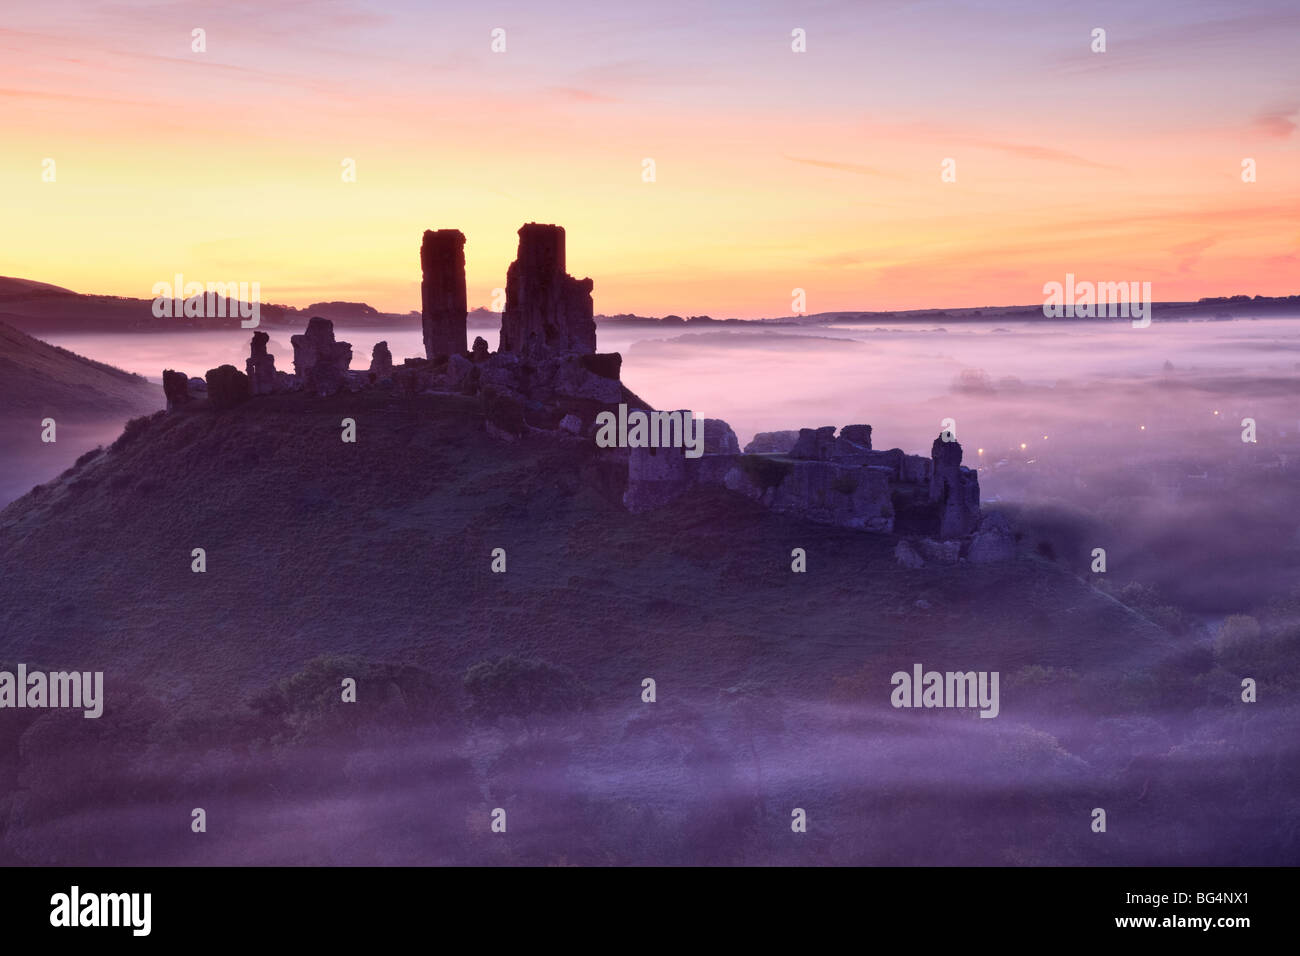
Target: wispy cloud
x=1279, y=122
x=856, y=168
x=1189, y=253
x=578, y=95
x=1045, y=153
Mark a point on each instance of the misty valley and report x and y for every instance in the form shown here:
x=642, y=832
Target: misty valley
x=1155, y=550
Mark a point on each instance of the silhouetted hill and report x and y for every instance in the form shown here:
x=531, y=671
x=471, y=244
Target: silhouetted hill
x=522, y=689
x=38, y=377
x=12, y=286
x=88, y=401
x=1206, y=309
x=38, y=307
x=343, y=310
x=383, y=548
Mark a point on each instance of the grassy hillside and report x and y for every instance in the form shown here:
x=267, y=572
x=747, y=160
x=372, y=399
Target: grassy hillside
x=88, y=400
x=522, y=690
x=21, y=287
x=383, y=547
x=36, y=377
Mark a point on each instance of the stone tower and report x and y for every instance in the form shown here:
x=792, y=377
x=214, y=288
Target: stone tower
x=547, y=310
x=442, y=292
x=955, y=489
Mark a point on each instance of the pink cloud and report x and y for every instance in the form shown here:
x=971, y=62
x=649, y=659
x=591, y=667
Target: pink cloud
x=1277, y=123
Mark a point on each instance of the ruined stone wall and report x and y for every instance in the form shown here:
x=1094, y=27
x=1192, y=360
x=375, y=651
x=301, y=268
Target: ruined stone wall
x=827, y=492
x=826, y=478
x=655, y=476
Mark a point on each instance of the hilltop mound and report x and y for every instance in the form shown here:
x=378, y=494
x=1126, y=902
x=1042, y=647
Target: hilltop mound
x=327, y=559
x=40, y=309
x=12, y=286
x=373, y=560
x=383, y=548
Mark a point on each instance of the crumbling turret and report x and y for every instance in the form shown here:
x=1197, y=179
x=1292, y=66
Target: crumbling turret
x=955, y=489
x=381, y=361
x=318, y=361
x=547, y=310
x=261, y=366
x=442, y=292
x=176, y=388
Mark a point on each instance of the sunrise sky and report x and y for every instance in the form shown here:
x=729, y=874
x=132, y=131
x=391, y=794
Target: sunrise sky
x=774, y=169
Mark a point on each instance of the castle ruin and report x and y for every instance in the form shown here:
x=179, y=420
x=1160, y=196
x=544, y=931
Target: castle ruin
x=547, y=378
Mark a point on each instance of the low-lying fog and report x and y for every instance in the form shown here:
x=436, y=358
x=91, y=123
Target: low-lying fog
x=1096, y=434
x=1092, y=436
x=891, y=377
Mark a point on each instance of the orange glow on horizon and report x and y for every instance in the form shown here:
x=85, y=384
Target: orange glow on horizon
x=227, y=170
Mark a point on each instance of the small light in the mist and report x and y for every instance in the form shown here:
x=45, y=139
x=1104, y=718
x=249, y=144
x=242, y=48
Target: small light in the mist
x=1143, y=427
x=1216, y=411
x=1023, y=446
x=981, y=451
x=1044, y=438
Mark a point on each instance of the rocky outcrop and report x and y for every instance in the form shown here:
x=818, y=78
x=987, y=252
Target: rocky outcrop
x=954, y=490
x=547, y=310
x=779, y=443
x=381, y=361
x=442, y=292
x=321, y=363
x=260, y=366
x=227, y=386
x=480, y=351
x=176, y=387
